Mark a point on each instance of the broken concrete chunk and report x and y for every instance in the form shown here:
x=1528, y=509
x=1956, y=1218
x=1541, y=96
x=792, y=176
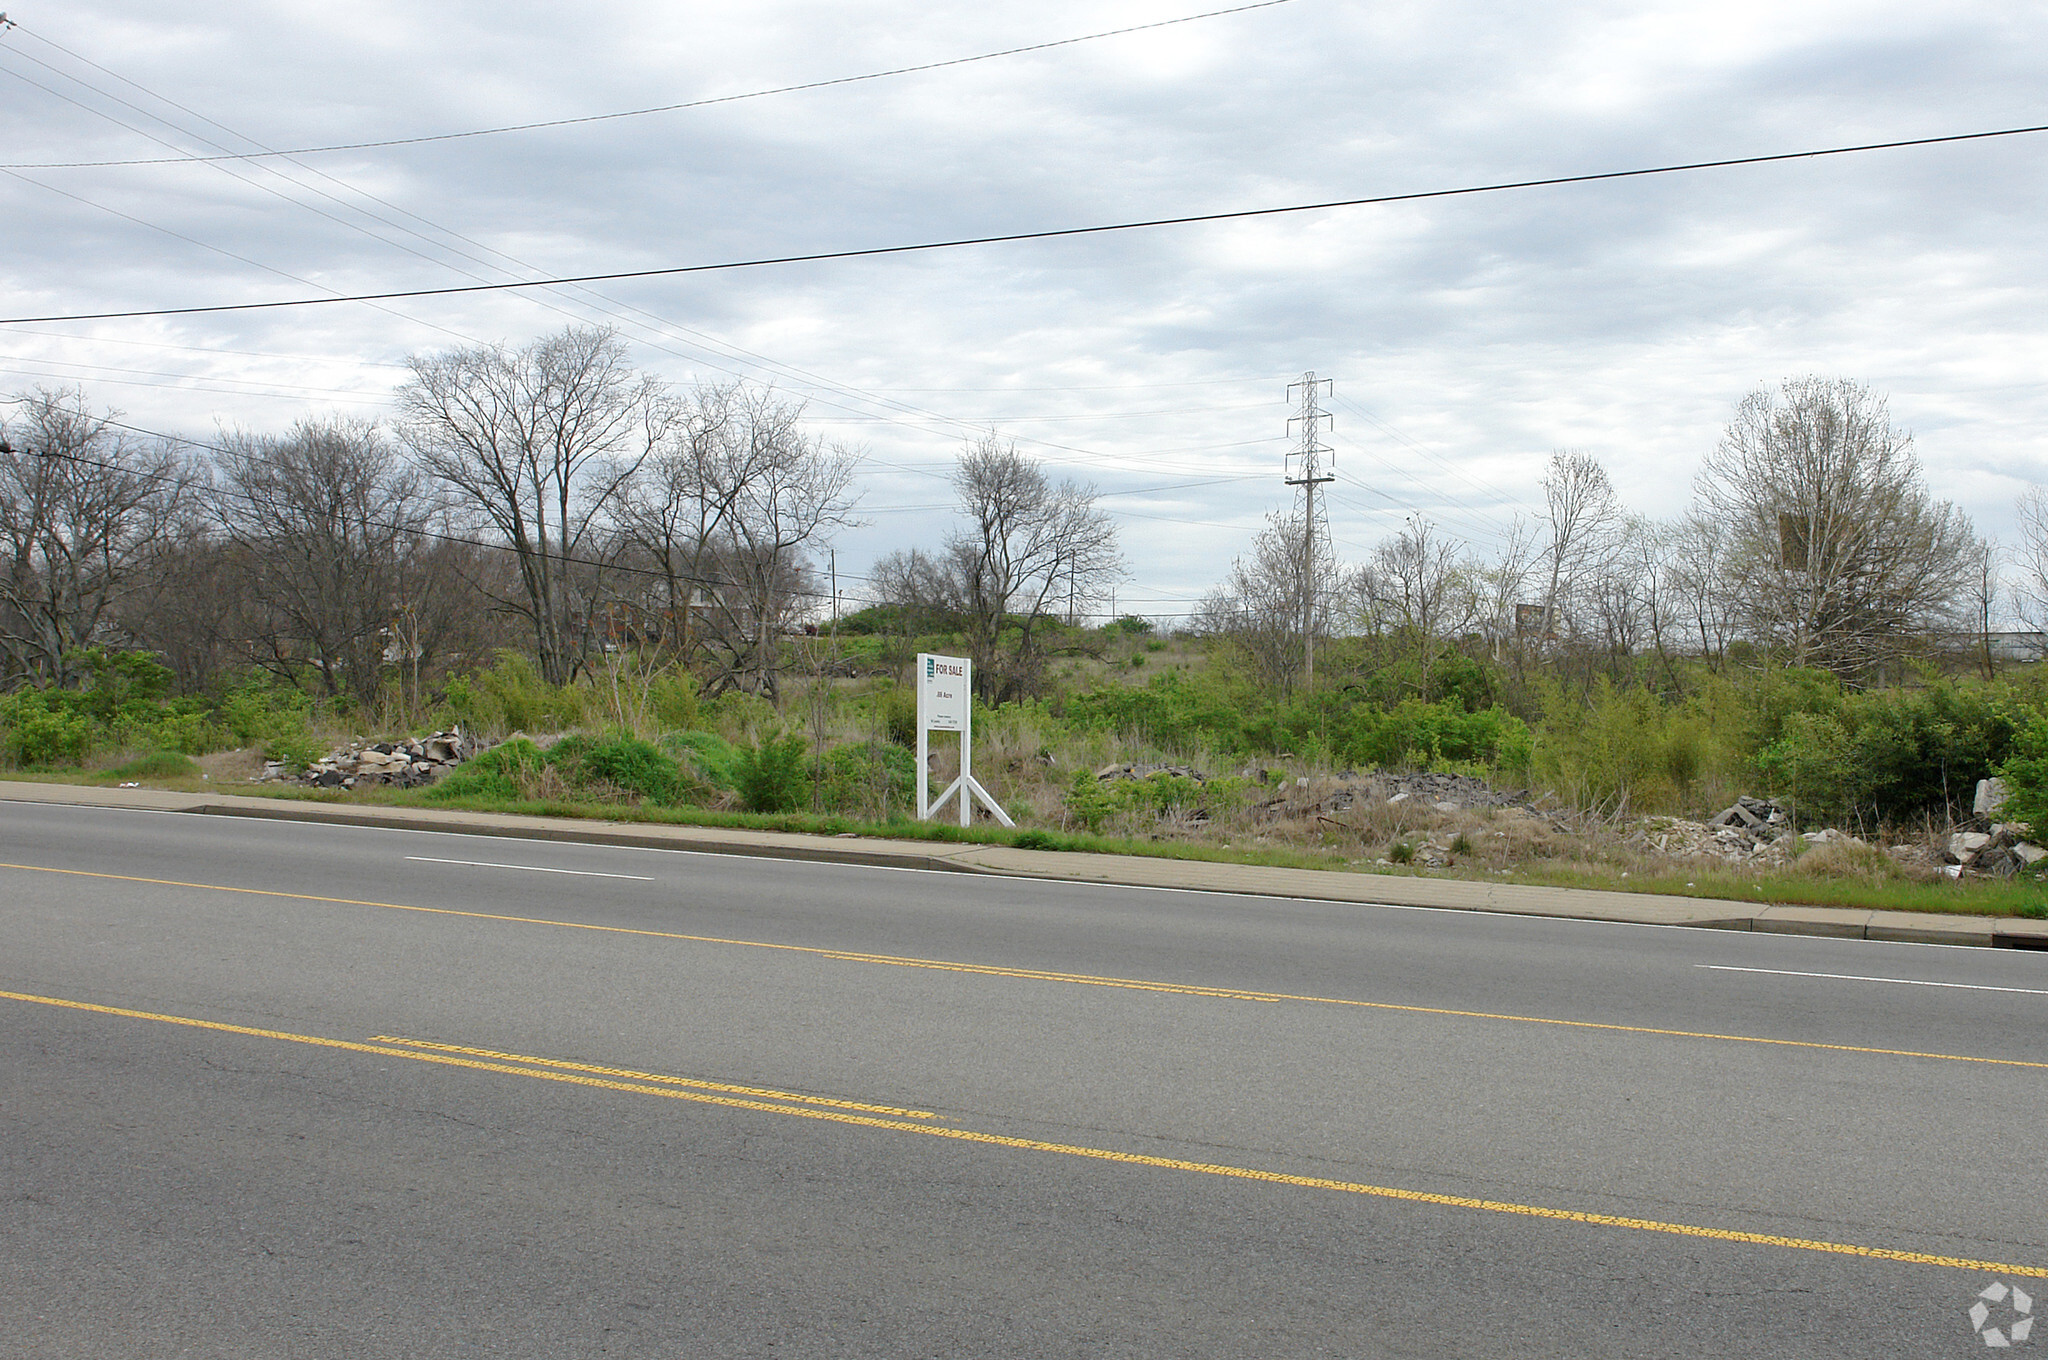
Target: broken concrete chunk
x=1991, y=796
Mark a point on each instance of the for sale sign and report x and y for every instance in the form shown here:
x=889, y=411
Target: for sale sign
x=943, y=688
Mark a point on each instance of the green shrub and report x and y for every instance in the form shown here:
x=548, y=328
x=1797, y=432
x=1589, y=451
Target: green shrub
x=672, y=699
x=707, y=755
x=2025, y=773
x=258, y=713
x=1813, y=764
x=115, y=680
x=510, y=695
x=505, y=773
x=868, y=778
x=1889, y=756
x=1091, y=801
x=635, y=766
x=773, y=775
x=1415, y=733
x=898, y=704
x=187, y=730
x=1623, y=747
x=42, y=728
x=156, y=765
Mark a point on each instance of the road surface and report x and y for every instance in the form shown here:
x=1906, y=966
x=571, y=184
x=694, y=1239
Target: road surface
x=271, y=1089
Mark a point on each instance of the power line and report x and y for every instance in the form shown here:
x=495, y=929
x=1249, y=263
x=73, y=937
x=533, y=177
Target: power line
x=626, y=113
x=611, y=308
x=1054, y=233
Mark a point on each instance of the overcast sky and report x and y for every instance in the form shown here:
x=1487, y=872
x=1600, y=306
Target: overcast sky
x=1467, y=338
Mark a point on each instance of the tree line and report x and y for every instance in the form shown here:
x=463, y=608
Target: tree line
x=550, y=497
x=1812, y=539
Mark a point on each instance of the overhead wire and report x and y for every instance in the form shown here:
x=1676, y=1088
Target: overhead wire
x=610, y=310
x=1043, y=234
x=632, y=113
x=1421, y=450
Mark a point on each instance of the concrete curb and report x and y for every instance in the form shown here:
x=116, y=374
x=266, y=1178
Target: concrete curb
x=1119, y=870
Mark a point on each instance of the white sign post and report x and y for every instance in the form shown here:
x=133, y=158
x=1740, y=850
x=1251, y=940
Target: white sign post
x=945, y=703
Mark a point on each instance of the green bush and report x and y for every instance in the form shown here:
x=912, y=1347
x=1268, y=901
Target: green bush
x=115, y=680
x=898, y=704
x=637, y=767
x=511, y=696
x=707, y=755
x=1415, y=733
x=505, y=773
x=1092, y=802
x=2025, y=773
x=1622, y=747
x=185, y=728
x=257, y=712
x=773, y=776
x=1889, y=756
x=156, y=765
x=672, y=699
x=42, y=728
x=867, y=778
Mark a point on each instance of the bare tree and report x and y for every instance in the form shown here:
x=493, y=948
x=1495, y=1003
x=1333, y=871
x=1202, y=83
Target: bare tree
x=1032, y=549
x=1257, y=609
x=1636, y=597
x=1838, y=555
x=726, y=514
x=1986, y=565
x=1581, y=515
x=1418, y=584
x=82, y=506
x=2030, y=559
x=330, y=523
x=1702, y=597
x=187, y=605
x=1499, y=586
x=538, y=441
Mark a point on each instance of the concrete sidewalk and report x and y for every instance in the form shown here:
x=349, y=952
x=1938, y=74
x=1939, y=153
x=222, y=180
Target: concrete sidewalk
x=1130, y=870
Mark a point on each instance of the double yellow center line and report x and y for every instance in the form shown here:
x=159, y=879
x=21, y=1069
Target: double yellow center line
x=768, y=1101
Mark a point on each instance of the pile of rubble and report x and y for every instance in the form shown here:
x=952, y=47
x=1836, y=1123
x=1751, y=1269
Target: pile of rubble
x=1757, y=831
x=1437, y=789
x=403, y=764
x=1133, y=770
x=1748, y=831
x=2003, y=851
x=1428, y=788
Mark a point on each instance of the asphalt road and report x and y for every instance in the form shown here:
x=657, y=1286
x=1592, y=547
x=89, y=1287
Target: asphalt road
x=279, y=1090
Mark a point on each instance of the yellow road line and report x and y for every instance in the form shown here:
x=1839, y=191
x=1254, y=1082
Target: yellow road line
x=629, y=1074
x=1040, y=975
x=1243, y=1173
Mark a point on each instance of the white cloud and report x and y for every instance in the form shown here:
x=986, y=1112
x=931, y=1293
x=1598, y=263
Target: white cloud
x=1468, y=337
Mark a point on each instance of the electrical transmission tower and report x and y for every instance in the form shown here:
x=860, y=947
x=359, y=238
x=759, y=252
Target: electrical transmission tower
x=1305, y=467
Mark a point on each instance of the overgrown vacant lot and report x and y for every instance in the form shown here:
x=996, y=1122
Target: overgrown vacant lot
x=1153, y=745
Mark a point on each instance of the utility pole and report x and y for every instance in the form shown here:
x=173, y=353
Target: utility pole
x=835, y=592
x=1306, y=464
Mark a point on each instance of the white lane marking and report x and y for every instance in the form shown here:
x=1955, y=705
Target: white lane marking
x=529, y=868
x=1853, y=977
